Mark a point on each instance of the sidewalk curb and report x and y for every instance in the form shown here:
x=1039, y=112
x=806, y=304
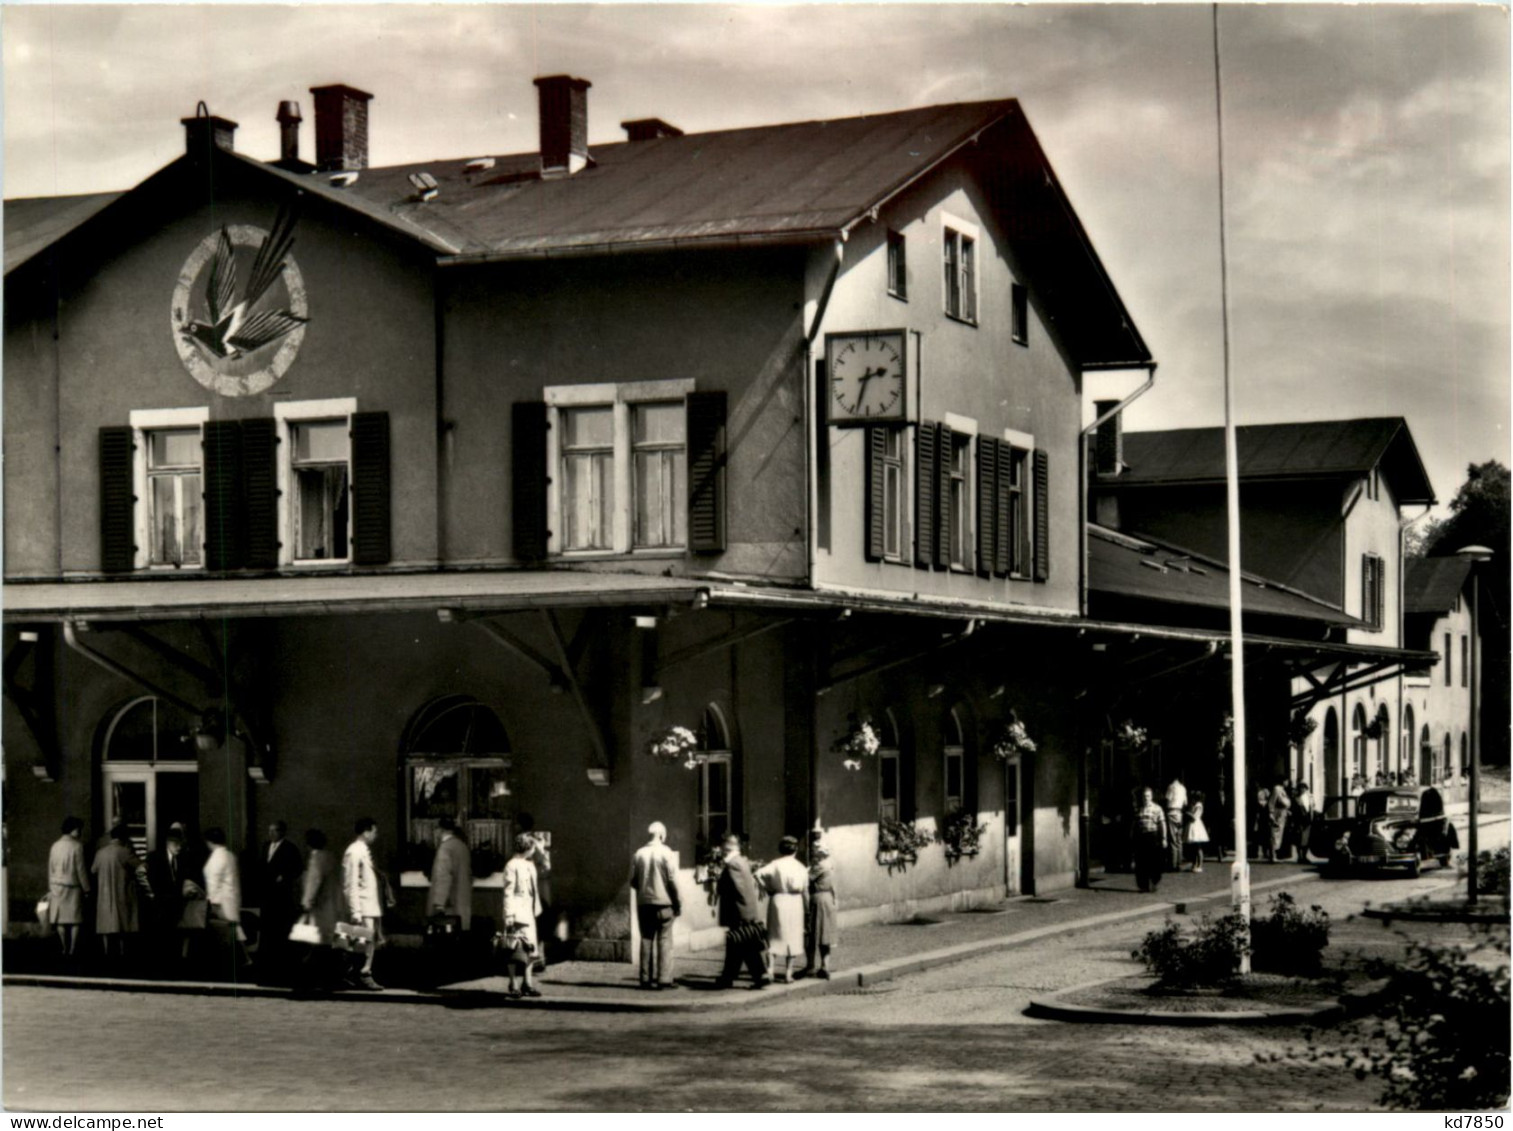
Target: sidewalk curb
x=1052, y=1008
x=685, y=1001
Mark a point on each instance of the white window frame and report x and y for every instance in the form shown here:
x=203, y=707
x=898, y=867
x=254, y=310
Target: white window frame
x=967, y=427
x=1023, y=442
x=287, y=414
x=618, y=396
x=901, y=554
x=142, y=422
x=968, y=283
x=954, y=747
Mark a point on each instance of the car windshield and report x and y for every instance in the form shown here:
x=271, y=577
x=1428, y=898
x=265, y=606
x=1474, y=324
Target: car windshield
x=1385, y=804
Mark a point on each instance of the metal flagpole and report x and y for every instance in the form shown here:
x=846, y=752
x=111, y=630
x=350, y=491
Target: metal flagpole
x=1239, y=875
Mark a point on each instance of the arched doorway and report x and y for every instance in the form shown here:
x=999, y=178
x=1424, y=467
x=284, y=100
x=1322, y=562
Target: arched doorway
x=1333, y=783
x=1383, y=740
x=1425, y=757
x=1465, y=754
x=1358, y=744
x=149, y=770
x=1447, y=766
x=456, y=761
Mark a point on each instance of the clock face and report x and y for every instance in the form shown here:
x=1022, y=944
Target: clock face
x=867, y=377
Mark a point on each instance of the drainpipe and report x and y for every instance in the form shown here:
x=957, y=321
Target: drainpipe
x=1082, y=475
x=811, y=447
x=70, y=637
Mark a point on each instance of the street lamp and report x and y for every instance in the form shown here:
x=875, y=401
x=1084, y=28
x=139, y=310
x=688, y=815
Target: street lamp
x=1474, y=555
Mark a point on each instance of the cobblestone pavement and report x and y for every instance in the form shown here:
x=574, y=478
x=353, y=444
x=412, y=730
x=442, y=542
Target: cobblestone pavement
x=946, y=1039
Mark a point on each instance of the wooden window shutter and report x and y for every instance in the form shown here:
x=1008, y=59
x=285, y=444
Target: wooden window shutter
x=529, y=472
x=371, y=508
x=260, y=484
x=926, y=444
x=1001, y=528
x=1042, y=516
x=118, y=551
x=225, y=530
x=877, y=450
x=706, y=472
x=987, y=504
x=945, y=452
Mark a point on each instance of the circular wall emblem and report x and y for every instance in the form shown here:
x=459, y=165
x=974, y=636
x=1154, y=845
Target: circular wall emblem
x=239, y=308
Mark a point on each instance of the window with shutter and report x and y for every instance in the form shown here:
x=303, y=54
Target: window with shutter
x=528, y=437
x=926, y=484
x=260, y=482
x=371, y=507
x=876, y=521
x=1003, y=530
x=1042, y=516
x=987, y=505
x=225, y=542
x=706, y=472
x=117, y=500
x=945, y=462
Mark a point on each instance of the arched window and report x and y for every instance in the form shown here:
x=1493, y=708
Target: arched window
x=957, y=787
x=1405, y=755
x=1332, y=776
x=456, y=764
x=889, y=770
x=1425, y=757
x=1465, y=754
x=718, y=805
x=1358, y=742
x=148, y=767
x=1446, y=767
x=1383, y=739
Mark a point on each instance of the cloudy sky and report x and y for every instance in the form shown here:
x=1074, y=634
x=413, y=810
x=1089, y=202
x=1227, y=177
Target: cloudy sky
x=1367, y=150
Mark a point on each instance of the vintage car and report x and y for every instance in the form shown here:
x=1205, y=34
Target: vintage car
x=1388, y=827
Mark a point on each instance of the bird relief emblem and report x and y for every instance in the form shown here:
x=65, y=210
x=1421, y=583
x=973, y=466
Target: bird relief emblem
x=239, y=308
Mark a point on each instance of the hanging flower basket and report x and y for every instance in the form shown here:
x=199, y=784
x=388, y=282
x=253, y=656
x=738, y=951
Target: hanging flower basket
x=675, y=744
x=1374, y=729
x=861, y=741
x=1012, y=740
x=899, y=842
x=1299, y=727
x=962, y=835
x=1131, y=739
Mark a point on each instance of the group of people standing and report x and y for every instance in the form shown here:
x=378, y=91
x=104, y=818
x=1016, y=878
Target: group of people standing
x=1281, y=817
x=801, y=913
x=1164, y=837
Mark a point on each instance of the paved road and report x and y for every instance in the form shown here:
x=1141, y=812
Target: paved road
x=954, y=1038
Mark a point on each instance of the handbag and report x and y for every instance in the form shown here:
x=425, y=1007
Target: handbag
x=353, y=936
x=305, y=931
x=195, y=916
x=747, y=931
x=44, y=905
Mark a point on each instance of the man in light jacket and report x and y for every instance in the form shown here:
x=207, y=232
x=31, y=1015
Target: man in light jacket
x=654, y=879
x=363, y=889
x=1176, y=806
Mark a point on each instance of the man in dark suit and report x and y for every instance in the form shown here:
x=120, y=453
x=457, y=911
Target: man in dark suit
x=736, y=892
x=167, y=869
x=278, y=871
x=449, y=905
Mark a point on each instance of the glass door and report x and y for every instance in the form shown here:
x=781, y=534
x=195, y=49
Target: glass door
x=129, y=802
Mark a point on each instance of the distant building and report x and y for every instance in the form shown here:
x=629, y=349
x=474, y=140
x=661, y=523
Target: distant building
x=1438, y=700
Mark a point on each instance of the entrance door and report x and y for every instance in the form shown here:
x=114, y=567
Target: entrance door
x=1333, y=783
x=1013, y=860
x=147, y=799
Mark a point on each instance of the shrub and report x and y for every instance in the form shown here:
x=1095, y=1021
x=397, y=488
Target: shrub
x=1492, y=872
x=1209, y=956
x=1290, y=940
x=1441, y=1042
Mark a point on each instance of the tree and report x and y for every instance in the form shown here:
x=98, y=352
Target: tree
x=1479, y=516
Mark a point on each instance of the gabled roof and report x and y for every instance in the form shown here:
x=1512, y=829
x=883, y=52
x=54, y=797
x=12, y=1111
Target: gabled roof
x=1301, y=450
x=1433, y=585
x=794, y=183
x=33, y=223
x=1154, y=571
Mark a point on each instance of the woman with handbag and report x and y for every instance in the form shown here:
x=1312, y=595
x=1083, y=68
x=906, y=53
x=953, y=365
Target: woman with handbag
x=522, y=907
x=320, y=907
x=67, y=885
x=786, y=882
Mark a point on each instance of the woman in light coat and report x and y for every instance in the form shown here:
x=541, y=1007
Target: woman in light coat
x=67, y=885
x=115, y=870
x=522, y=907
x=786, y=882
x=320, y=887
x=1280, y=804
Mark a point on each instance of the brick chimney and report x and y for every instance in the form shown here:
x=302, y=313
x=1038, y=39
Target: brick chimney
x=341, y=128
x=564, y=124
x=288, y=132
x=649, y=129
x=1110, y=446
x=206, y=130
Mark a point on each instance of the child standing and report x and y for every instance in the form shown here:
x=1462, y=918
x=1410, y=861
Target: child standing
x=1197, y=831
